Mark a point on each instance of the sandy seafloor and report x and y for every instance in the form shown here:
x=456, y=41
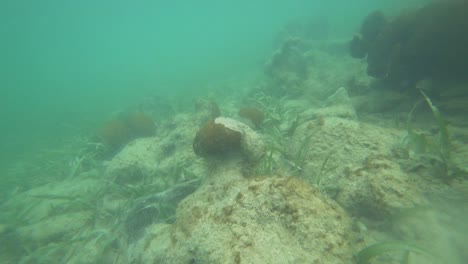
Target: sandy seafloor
x=328, y=173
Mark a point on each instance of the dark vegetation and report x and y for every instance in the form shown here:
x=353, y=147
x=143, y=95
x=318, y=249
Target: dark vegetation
x=429, y=43
x=371, y=27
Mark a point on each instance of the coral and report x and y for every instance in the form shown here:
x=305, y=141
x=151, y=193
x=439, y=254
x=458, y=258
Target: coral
x=140, y=125
x=253, y=114
x=216, y=140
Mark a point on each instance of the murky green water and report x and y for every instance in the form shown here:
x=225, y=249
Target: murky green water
x=68, y=67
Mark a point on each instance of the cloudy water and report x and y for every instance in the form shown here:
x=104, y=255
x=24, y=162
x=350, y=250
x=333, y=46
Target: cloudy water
x=107, y=109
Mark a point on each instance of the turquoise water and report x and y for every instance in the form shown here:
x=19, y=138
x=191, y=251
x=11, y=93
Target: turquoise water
x=66, y=62
x=68, y=67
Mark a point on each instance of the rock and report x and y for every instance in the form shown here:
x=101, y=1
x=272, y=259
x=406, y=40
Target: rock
x=377, y=189
x=355, y=163
x=134, y=162
x=269, y=220
x=287, y=68
x=337, y=105
x=162, y=160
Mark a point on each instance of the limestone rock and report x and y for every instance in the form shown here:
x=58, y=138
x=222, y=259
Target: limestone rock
x=269, y=220
x=135, y=161
x=378, y=189
x=355, y=163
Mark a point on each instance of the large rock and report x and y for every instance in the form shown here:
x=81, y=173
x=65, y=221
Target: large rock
x=134, y=162
x=269, y=220
x=356, y=164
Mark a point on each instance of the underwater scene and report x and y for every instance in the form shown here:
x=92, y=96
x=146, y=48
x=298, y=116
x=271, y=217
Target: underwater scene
x=234, y=132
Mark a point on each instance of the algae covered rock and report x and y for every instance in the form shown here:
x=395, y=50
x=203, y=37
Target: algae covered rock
x=269, y=220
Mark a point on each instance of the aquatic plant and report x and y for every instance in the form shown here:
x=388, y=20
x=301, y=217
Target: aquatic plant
x=422, y=146
x=414, y=141
x=367, y=254
x=253, y=114
x=275, y=113
x=443, y=138
x=156, y=208
x=279, y=126
x=108, y=240
x=298, y=159
x=269, y=163
x=279, y=149
x=109, y=246
x=216, y=140
x=86, y=159
x=50, y=253
x=266, y=166
x=323, y=171
x=89, y=201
